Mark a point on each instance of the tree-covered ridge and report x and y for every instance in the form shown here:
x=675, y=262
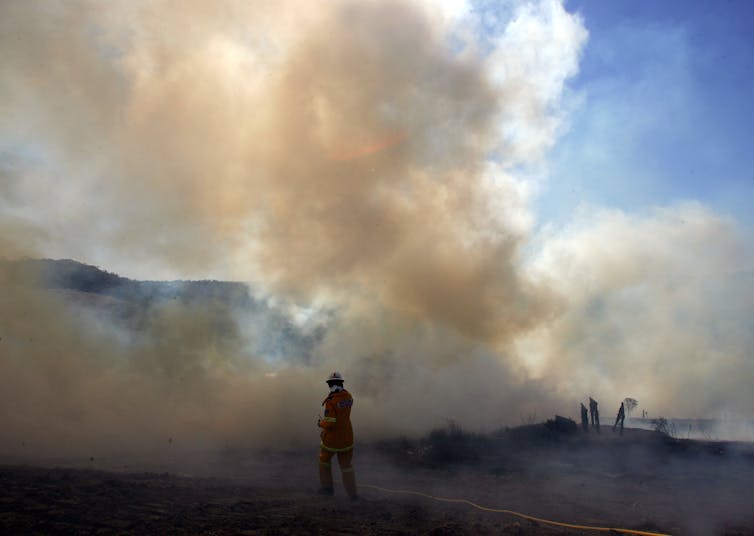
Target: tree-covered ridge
x=67, y=274
x=227, y=306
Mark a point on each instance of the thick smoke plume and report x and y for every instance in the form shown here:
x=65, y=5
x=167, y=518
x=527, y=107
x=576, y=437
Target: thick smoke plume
x=349, y=158
x=227, y=145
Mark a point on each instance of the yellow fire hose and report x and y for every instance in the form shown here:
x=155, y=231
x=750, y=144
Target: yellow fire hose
x=517, y=514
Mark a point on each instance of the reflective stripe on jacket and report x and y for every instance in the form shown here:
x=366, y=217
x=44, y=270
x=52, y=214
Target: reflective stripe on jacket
x=337, y=434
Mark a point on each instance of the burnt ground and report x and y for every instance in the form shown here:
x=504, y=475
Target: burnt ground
x=641, y=481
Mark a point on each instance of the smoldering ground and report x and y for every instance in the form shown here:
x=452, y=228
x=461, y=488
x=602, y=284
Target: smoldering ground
x=606, y=480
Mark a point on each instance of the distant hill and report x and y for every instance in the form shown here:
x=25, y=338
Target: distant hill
x=130, y=301
x=72, y=275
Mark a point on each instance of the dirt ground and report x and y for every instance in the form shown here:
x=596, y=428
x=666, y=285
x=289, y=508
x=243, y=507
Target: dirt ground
x=639, y=481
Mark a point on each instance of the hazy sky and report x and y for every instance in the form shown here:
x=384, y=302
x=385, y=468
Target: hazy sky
x=536, y=201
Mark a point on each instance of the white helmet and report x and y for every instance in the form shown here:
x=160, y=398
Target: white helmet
x=335, y=377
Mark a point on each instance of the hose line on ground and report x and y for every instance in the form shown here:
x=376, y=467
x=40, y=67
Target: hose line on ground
x=517, y=514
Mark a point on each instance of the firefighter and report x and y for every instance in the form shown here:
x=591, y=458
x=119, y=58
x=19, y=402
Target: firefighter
x=336, y=437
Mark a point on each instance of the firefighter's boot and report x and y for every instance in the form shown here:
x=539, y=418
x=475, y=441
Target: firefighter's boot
x=349, y=482
x=325, y=479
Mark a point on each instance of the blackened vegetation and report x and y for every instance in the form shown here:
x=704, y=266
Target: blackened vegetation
x=692, y=448
x=667, y=433
x=562, y=426
x=663, y=426
x=452, y=447
x=551, y=432
x=441, y=448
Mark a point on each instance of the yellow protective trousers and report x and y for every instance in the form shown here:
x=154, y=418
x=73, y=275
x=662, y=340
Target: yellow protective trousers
x=346, y=469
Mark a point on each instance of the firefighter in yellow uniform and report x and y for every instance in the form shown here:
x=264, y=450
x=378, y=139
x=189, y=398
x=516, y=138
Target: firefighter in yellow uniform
x=336, y=437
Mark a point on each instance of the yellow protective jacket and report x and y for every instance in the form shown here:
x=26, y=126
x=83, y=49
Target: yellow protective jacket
x=337, y=434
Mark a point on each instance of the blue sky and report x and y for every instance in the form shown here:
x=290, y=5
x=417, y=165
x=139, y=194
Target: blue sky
x=662, y=110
